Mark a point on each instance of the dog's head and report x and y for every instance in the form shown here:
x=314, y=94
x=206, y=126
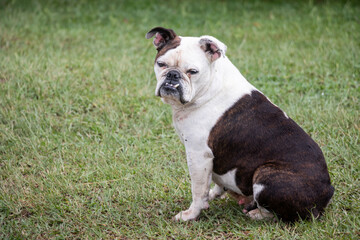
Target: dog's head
x=183, y=65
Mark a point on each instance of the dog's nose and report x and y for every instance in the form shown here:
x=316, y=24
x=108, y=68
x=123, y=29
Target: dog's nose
x=173, y=75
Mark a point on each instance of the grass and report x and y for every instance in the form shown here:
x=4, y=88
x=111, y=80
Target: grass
x=87, y=150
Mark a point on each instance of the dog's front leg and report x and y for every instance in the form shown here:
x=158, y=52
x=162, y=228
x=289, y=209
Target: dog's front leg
x=200, y=168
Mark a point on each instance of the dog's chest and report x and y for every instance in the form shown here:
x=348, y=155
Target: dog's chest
x=194, y=126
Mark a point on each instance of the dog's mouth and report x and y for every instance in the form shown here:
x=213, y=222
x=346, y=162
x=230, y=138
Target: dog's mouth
x=170, y=86
x=171, y=90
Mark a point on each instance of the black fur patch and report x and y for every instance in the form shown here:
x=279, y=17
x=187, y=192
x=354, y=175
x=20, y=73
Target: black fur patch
x=255, y=137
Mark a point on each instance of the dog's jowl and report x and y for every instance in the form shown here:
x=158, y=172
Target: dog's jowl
x=234, y=136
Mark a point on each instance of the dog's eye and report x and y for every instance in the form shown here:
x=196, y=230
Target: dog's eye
x=161, y=64
x=192, y=71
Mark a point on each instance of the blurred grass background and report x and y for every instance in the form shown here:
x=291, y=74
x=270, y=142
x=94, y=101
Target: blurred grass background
x=87, y=150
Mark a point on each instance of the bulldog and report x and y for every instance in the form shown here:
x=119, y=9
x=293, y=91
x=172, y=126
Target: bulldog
x=235, y=136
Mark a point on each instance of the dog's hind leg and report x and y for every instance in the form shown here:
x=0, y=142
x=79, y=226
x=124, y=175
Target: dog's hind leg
x=289, y=194
x=253, y=209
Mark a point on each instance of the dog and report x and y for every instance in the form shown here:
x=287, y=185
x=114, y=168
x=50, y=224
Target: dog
x=235, y=136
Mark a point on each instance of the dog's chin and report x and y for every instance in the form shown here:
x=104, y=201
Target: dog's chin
x=171, y=94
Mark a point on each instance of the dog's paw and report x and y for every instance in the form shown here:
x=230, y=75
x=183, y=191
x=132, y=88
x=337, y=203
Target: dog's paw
x=193, y=212
x=216, y=192
x=213, y=194
x=259, y=214
x=187, y=215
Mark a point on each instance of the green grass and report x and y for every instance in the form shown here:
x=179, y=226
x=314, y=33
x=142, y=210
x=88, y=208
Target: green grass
x=87, y=150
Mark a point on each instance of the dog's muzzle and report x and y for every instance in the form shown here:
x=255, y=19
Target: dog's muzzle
x=172, y=86
x=172, y=80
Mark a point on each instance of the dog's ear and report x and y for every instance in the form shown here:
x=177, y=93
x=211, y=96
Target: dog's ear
x=212, y=47
x=162, y=36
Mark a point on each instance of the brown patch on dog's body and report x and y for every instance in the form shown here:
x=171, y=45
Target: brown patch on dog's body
x=165, y=40
x=255, y=137
x=172, y=44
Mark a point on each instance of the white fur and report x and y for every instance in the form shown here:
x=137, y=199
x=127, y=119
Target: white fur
x=257, y=188
x=216, y=191
x=212, y=91
x=227, y=180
